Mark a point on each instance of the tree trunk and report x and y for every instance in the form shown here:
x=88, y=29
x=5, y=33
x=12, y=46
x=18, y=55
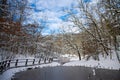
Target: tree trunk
x=116, y=48
x=79, y=55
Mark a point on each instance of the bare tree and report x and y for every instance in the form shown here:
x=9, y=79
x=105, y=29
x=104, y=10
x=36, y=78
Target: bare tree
x=93, y=20
x=71, y=43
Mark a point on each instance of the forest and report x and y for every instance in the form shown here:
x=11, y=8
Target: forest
x=98, y=31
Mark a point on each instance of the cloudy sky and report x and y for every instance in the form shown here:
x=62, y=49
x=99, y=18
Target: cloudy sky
x=52, y=14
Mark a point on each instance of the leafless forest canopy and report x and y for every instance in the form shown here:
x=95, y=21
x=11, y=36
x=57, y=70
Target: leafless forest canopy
x=98, y=33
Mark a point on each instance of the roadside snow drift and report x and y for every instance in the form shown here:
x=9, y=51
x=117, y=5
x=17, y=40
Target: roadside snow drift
x=97, y=64
x=104, y=62
x=7, y=75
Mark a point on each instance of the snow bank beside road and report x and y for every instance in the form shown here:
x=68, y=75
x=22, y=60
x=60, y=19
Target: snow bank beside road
x=9, y=73
x=105, y=64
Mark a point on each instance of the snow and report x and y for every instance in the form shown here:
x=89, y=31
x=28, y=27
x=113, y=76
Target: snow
x=97, y=64
x=71, y=57
x=94, y=72
x=24, y=56
x=7, y=75
x=74, y=59
x=104, y=62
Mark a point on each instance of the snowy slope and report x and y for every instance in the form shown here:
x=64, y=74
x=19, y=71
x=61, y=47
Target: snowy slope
x=105, y=62
x=97, y=64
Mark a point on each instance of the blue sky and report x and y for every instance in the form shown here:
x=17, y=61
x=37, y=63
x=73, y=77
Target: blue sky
x=52, y=13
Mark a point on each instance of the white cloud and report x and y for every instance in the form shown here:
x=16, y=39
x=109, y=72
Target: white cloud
x=53, y=4
x=52, y=10
x=69, y=27
x=94, y=1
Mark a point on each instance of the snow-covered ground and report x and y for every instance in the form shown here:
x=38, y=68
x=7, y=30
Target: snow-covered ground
x=7, y=75
x=24, y=56
x=104, y=62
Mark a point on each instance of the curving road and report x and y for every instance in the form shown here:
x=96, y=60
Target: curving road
x=68, y=73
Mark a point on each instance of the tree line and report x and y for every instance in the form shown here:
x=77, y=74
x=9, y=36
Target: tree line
x=98, y=26
x=15, y=36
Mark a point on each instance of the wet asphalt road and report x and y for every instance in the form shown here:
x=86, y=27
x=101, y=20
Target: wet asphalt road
x=68, y=73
